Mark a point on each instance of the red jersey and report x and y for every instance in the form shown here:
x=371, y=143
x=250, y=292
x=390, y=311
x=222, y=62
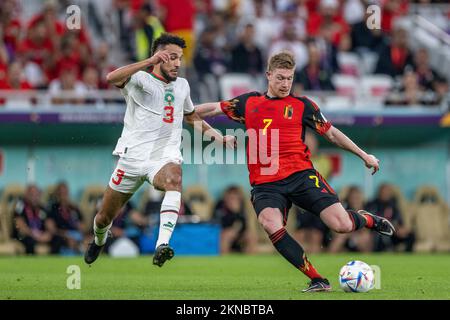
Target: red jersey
x=276, y=133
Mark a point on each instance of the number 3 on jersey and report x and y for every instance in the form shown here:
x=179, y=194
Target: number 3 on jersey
x=168, y=114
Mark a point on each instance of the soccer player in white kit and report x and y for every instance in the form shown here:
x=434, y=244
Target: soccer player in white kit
x=149, y=147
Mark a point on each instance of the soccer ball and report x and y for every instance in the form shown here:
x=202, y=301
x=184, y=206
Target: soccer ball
x=356, y=276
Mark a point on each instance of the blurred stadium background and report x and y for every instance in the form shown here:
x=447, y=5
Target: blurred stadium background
x=387, y=89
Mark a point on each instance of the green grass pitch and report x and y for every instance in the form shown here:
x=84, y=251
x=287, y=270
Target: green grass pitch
x=260, y=277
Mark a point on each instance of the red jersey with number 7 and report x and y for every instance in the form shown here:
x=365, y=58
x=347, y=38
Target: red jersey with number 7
x=276, y=133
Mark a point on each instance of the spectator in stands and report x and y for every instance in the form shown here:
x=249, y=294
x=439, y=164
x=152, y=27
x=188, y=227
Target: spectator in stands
x=442, y=90
x=209, y=59
x=15, y=81
x=103, y=63
x=38, y=48
x=395, y=57
x=410, y=93
x=71, y=56
x=385, y=205
x=314, y=77
x=289, y=41
x=3, y=62
x=364, y=38
x=121, y=7
x=80, y=41
x=246, y=57
x=48, y=15
x=310, y=229
x=361, y=240
x=225, y=30
x=90, y=78
x=266, y=25
x=328, y=16
x=67, y=218
x=91, y=82
x=47, y=40
x=292, y=19
x=230, y=213
x=392, y=10
x=147, y=28
x=15, y=78
x=10, y=27
x=32, y=223
x=67, y=84
x=427, y=77
x=328, y=50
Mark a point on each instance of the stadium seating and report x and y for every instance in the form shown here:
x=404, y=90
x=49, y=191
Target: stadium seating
x=346, y=85
x=377, y=86
x=349, y=63
x=199, y=201
x=8, y=199
x=337, y=103
x=368, y=62
x=431, y=221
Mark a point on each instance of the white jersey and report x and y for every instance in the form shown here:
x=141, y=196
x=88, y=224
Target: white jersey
x=154, y=117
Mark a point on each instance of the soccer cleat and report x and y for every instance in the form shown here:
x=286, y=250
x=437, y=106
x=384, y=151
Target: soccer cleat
x=93, y=250
x=162, y=254
x=380, y=224
x=318, y=285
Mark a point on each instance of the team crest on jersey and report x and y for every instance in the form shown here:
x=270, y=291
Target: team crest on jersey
x=288, y=112
x=169, y=98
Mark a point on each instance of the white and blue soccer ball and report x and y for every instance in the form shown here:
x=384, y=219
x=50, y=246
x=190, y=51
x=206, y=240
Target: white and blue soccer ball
x=356, y=276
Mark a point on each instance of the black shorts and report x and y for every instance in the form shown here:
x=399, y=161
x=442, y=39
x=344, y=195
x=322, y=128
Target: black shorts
x=306, y=189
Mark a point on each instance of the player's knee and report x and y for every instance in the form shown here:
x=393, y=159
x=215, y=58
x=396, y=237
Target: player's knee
x=343, y=226
x=173, y=182
x=269, y=222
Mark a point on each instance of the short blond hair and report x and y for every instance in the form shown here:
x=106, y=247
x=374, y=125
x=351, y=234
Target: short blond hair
x=282, y=60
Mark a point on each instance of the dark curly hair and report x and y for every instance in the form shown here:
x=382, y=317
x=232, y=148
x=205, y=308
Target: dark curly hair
x=167, y=38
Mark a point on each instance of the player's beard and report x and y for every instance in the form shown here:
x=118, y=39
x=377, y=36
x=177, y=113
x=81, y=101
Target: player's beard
x=167, y=76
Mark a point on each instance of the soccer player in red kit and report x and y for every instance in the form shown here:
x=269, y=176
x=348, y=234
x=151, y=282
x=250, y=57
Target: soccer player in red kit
x=278, y=121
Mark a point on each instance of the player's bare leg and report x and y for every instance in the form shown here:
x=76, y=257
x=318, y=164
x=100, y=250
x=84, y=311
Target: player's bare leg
x=271, y=220
x=112, y=202
x=167, y=179
x=344, y=221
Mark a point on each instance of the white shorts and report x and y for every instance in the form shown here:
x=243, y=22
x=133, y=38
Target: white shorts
x=130, y=174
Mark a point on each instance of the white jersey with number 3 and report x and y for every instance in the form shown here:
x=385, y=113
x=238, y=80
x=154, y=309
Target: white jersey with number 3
x=154, y=117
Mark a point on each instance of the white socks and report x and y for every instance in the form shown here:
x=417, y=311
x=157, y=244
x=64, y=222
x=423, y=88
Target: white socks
x=168, y=217
x=101, y=234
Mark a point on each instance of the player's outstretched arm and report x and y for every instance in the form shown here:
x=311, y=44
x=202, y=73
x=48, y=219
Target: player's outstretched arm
x=120, y=76
x=201, y=125
x=337, y=137
x=209, y=109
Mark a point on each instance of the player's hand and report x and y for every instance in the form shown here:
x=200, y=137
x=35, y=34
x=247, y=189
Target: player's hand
x=159, y=57
x=372, y=162
x=229, y=141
